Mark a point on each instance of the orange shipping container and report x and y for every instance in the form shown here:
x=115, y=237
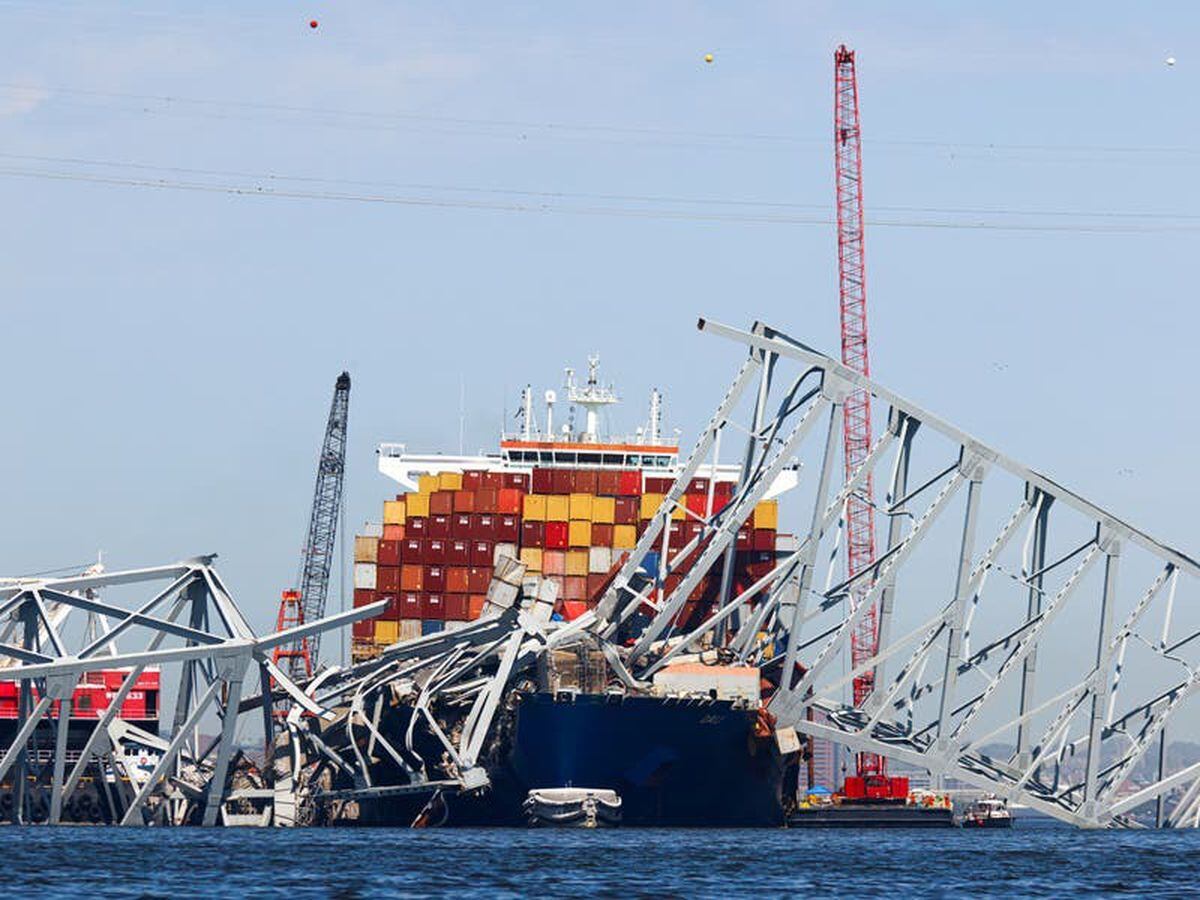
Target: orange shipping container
x=456, y=579
x=464, y=501
x=475, y=604
x=508, y=501
x=412, y=578
x=579, y=534
x=393, y=532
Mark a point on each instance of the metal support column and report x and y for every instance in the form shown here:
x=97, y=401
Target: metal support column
x=1035, y=564
x=1112, y=556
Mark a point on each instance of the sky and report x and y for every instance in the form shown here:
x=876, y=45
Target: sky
x=212, y=209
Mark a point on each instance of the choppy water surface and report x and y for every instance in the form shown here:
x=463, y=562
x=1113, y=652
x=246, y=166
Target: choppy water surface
x=1031, y=860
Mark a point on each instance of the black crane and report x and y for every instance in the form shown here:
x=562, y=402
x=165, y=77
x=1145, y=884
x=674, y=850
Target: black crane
x=307, y=604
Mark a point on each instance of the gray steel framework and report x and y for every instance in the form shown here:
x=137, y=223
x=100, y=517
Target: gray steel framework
x=213, y=655
x=969, y=674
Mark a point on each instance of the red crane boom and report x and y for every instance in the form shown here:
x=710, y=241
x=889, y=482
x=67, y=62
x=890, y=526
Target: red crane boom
x=852, y=282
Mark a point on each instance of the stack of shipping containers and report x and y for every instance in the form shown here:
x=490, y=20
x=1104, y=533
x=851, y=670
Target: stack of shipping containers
x=432, y=558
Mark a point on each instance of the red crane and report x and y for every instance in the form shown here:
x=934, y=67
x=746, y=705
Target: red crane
x=856, y=422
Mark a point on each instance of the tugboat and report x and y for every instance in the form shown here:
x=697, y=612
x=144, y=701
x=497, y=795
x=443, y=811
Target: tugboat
x=987, y=812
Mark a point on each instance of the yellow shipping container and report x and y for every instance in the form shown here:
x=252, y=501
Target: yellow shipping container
x=581, y=507
x=558, y=508
x=624, y=537
x=386, y=632
x=393, y=512
x=577, y=561
x=450, y=481
x=532, y=557
x=579, y=534
x=650, y=505
x=366, y=549
x=535, y=507
x=427, y=484
x=416, y=505
x=679, y=513
x=766, y=515
x=604, y=510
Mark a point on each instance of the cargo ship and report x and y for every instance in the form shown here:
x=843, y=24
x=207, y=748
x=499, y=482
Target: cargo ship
x=570, y=505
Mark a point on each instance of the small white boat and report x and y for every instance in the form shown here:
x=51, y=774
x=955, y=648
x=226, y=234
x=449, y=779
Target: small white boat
x=987, y=812
x=573, y=808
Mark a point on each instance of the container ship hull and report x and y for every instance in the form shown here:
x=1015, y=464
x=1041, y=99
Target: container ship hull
x=673, y=762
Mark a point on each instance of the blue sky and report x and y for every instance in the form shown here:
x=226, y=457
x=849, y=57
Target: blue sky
x=527, y=183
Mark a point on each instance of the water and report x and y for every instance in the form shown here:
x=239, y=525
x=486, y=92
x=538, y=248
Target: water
x=1031, y=860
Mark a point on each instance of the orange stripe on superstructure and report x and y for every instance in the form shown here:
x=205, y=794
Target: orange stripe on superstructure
x=614, y=448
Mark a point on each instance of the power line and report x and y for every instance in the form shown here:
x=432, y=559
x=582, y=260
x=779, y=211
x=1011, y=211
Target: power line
x=546, y=208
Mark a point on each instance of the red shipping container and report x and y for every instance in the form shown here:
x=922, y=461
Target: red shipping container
x=698, y=504
x=387, y=578
x=508, y=500
x=458, y=607
x=543, y=481
x=456, y=580
x=626, y=511
x=441, y=503
x=602, y=535
x=723, y=489
x=412, y=550
x=435, y=552
x=464, y=501
x=631, y=483
x=435, y=578
x=562, y=481
x=439, y=526
x=532, y=534
x=389, y=553
x=363, y=597
x=745, y=540
x=763, y=539
x=410, y=605
x=573, y=609
x=472, y=480
x=481, y=553
x=487, y=500
x=412, y=578
x=483, y=527
x=392, y=611
x=461, y=525
x=557, y=535
x=458, y=552
x=433, y=607
x=493, y=480
x=692, y=529
x=698, y=486
x=854, y=787
x=508, y=529
x=475, y=605
x=595, y=586
x=608, y=483
x=658, y=485
x=585, y=482
x=393, y=532
x=479, y=579
x=364, y=629
x=518, y=480
x=575, y=587
x=416, y=527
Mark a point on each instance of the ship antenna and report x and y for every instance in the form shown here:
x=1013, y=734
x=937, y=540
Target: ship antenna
x=655, y=415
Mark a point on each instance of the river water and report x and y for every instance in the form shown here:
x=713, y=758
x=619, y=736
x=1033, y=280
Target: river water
x=1031, y=860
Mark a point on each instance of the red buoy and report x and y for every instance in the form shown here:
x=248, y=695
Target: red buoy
x=312, y=23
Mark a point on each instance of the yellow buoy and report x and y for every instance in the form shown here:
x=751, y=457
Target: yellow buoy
x=708, y=57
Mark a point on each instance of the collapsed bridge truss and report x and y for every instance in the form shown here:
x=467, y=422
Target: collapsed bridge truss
x=1031, y=643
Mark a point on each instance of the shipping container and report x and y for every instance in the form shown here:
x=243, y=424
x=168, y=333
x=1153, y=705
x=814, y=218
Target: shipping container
x=534, y=508
x=518, y=480
x=458, y=552
x=439, y=526
x=431, y=626
x=393, y=533
x=435, y=552
x=433, y=607
x=604, y=510
x=472, y=480
x=658, y=485
x=766, y=515
x=650, y=505
x=464, y=501
x=698, y=504
x=508, y=501
x=416, y=505
x=393, y=512
x=562, y=481
x=412, y=578
x=602, y=535
x=386, y=632
x=450, y=481
x=392, y=599
x=435, y=578
x=508, y=528
x=504, y=550
x=580, y=507
x=363, y=597
x=479, y=578
x=390, y=553
x=595, y=586
x=532, y=558
x=364, y=576
x=584, y=482
x=410, y=629
x=579, y=534
x=372, y=529
x=532, y=533
x=387, y=578
x=558, y=508
x=543, y=481
x=441, y=503
x=483, y=527
x=364, y=628
x=631, y=483
x=462, y=525
x=411, y=604
x=493, y=480
x=366, y=549
x=412, y=550
x=554, y=562
x=625, y=511
x=763, y=539
x=416, y=527
x=577, y=562
x=481, y=553
x=599, y=560
x=624, y=537
x=476, y=603
x=557, y=535
x=456, y=579
x=608, y=482
x=487, y=500
x=575, y=588
x=457, y=607
x=427, y=484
